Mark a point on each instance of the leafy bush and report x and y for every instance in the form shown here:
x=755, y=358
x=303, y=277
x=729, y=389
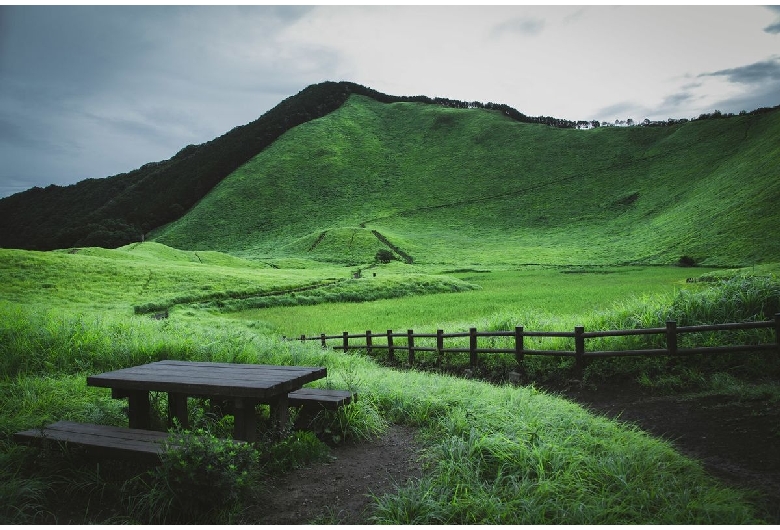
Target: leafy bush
x=200, y=476
x=384, y=256
x=686, y=261
x=740, y=298
x=295, y=451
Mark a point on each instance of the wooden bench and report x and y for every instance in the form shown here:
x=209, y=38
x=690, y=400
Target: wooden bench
x=313, y=400
x=144, y=445
x=99, y=440
x=327, y=399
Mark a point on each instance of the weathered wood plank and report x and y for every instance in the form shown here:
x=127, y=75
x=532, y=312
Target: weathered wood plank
x=210, y=379
x=329, y=399
x=99, y=440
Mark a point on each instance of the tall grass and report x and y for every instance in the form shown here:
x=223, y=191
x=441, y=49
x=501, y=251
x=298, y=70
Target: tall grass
x=739, y=298
x=350, y=291
x=495, y=454
x=517, y=456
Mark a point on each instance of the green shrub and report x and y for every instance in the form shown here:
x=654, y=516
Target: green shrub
x=295, y=451
x=200, y=476
x=384, y=256
x=686, y=261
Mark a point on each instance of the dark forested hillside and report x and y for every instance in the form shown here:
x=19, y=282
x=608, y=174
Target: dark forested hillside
x=116, y=210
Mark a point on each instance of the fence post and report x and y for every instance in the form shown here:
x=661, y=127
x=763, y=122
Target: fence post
x=473, y=347
x=671, y=336
x=346, y=340
x=368, y=342
x=777, y=331
x=519, y=346
x=579, y=348
x=410, y=339
x=322, y=340
x=439, y=346
x=390, y=349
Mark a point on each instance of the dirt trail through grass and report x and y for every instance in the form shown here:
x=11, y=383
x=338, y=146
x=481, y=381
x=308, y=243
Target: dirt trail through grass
x=736, y=442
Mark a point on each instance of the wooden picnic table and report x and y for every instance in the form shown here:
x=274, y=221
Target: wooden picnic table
x=245, y=385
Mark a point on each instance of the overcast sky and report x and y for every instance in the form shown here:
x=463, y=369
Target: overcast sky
x=91, y=91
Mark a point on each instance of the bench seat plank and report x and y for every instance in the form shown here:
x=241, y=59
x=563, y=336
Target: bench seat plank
x=329, y=399
x=118, y=442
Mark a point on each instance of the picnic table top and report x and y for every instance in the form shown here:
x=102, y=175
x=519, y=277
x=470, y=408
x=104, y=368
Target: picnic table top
x=259, y=381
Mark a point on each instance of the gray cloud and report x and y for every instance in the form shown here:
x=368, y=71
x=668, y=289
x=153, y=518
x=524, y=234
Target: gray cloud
x=673, y=102
x=766, y=97
x=14, y=134
x=751, y=73
x=92, y=91
x=774, y=28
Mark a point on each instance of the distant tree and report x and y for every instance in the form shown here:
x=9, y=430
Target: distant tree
x=384, y=256
x=686, y=261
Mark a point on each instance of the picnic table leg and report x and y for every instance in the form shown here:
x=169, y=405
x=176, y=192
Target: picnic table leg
x=245, y=426
x=137, y=406
x=280, y=411
x=177, y=408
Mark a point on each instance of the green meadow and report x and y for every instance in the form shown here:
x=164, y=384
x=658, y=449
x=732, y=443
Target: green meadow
x=542, y=298
x=495, y=453
x=490, y=223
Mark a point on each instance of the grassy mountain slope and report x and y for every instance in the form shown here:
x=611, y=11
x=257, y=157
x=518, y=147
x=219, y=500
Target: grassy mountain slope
x=114, y=211
x=444, y=185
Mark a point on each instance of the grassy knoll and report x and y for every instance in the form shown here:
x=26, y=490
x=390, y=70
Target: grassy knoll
x=148, y=274
x=495, y=454
x=471, y=186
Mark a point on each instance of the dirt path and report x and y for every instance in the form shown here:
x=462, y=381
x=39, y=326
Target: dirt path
x=737, y=441
x=339, y=491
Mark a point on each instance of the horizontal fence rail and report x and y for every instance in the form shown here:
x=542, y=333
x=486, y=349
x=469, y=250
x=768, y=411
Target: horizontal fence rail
x=370, y=341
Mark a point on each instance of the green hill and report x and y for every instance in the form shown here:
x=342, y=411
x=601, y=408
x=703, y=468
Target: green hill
x=339, y=172
x=444, y=185
x=114, y=211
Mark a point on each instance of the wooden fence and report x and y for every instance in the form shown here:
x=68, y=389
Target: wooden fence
x=370, y=341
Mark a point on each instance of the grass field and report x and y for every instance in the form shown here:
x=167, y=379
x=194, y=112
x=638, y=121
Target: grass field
x=497, y=453
x=541, y=296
